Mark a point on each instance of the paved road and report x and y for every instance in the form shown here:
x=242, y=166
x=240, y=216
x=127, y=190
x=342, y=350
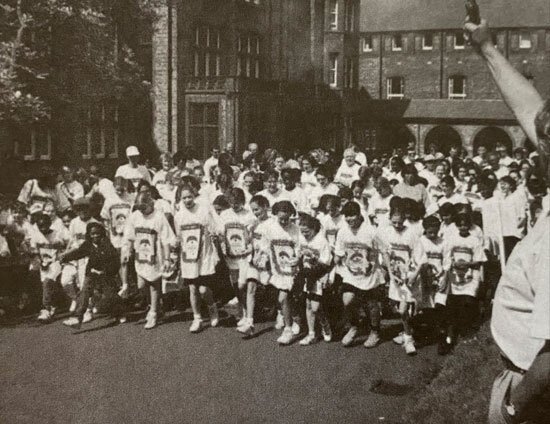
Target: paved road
x=125, y=374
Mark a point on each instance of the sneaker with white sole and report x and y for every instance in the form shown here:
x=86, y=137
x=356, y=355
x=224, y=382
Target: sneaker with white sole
x=308, y=340
x=214, y=316
x=52, y=311
x=280, y=322
x=286, y=337
x=241, y=322
x=296, y=328
x=399, y=338
x=233, y=302
x=372, y=340
x=72, y=322
x=122, y=320
x=72, y=308
x=326, y=331
x=44, y=315
x=88, y=316
x=348, y=339
x=408, y=344
x=196, y=325
x=95, y=310
x=150, y=321
x=246, y=329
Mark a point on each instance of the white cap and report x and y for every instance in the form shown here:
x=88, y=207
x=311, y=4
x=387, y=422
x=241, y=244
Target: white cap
x=132, y=151
x=429, y=158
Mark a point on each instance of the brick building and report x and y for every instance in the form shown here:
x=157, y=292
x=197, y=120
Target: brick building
x=429, y=85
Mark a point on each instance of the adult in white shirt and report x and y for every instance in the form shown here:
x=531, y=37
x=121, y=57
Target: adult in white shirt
x=210, y=163
x=159, y=179
x=428, y=172
x=494, y=165
x=505, y=159
x=349, y=170
x=133, y=171
x=521, y=308
x=481, y=158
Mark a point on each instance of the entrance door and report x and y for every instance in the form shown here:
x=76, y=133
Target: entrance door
x=204, y=127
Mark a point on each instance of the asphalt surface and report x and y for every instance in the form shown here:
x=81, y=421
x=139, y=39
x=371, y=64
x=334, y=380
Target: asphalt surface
x=125, y=374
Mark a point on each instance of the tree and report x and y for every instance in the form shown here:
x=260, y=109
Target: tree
x=59, y=54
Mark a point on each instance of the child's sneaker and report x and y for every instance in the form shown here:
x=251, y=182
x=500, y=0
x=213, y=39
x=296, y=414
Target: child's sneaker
x=72, y=308
x=44, y=315
x=286, y=337
x=233, y=302
x=241, y=322
x=350, y=336
x=52, y=311
x=72, y=322
x=372, y=340
x=308, y=340
x=95, y=310
x=246, y=329
x=122, y=320
x=214, y=316
x=408, y=344
x=326, y=331
x=151, y=321
x=280, y=322
x=295, y=328
x=196, y=325
x=399, y=338
x=88, y=316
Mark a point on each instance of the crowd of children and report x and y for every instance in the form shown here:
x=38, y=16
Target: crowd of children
x=334, y=244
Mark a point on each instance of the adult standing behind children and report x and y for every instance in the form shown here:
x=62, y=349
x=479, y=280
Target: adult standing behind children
x=133, y=171
x=521, y=310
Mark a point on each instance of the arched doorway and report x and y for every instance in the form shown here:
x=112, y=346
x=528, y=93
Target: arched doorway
x=490, y=136
x=443, y=137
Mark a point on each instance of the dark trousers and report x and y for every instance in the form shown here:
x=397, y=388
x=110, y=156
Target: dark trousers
x=462, y=313
x=105, y=288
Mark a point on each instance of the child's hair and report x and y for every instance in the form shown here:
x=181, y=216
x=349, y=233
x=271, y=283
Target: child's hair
x=351, y=209
x=462, y=208
x=283, y=206
x=394, y=182
x=192, y=182
x=446, y=209
x=42, y=217
x=357, y=184
x=67, y=212
x=260, y=200
x=345, y=193
x=310, y=222
x=325, y=171
x=221, y=201
x=382, y=182
x=271, y=173
x=415, y=209
x=510, y=181
x=93, y=225
x=489, y=183
x=463, y=218
x=449, y=180
x=396, y=202
x=431, y=222
x=327, y=199
x=256, y=186
x=237, y=194
x=224, y=180
x=397, y=209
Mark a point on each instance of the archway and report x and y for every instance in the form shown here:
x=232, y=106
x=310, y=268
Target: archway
x=489, y=136
x=443, y=137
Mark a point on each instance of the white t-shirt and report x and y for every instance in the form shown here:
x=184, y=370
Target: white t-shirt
x=298, y=198
x=194, y=229
x=48, y=247
x=258, y=265
x=159, y=180
x=347, y=174
x=463, y=249
x=521, y=307
x=512, y=211
x=359, y=266
x=309, y=181
x=115, y=212
x=317, y=192
x=331, y=226
x=273, y=198
x=379, y=209
x=234, y=229
x=135, y=175
x=147, y=235
x=284, y=247
x=31, y=195
x=209, y=163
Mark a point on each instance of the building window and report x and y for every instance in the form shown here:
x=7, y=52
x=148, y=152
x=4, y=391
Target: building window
x=248, y=61
x=459, y=41
x=395, y=88
x=102, y=132
x=350, y=15
x=207, y=52
x=203, y=126
x=367, y=43
x=253, y=1
x=457, y=87
x=427, y=41
x=34, y=145
x=525, y=40
x=333, y=23
x=397, y=43
x=333, y=70
x=349, y=72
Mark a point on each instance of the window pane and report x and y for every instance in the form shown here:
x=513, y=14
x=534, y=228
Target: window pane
x=195, y=114
x=211, y=113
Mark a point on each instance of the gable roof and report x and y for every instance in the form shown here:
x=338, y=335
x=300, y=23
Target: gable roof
x=404, y=15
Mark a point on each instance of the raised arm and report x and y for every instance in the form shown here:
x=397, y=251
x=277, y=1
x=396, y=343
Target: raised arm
x=518, y=93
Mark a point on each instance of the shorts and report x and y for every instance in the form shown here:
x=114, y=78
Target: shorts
x=203, y=280
x=376, y=294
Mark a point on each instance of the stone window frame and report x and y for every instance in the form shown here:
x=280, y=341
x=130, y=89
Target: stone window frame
x=451, y=87
x=390, y=85
x=33, y=143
